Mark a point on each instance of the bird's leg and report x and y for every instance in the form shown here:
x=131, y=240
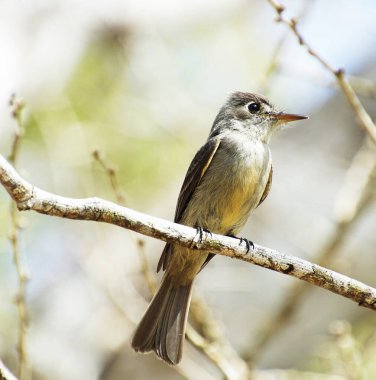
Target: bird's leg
x=247, y=242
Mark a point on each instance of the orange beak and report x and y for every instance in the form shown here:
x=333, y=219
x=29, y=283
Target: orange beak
x=288, y=117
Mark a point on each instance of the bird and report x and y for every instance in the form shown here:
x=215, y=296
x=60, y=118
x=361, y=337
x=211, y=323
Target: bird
x=230, y=175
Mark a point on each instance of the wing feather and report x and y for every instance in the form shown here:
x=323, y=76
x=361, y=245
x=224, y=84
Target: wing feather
x=267, y=187
x=196, y=171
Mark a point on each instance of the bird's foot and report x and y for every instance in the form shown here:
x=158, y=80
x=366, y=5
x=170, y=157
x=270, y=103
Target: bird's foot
x=249, y=244
x=200, y=233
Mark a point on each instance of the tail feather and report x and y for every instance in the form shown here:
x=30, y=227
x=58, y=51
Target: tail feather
x=162, y=328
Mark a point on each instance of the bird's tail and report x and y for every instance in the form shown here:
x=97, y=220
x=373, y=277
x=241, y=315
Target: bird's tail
x=162, y=328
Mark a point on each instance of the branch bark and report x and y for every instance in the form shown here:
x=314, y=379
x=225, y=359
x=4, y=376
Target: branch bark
x=29, y=197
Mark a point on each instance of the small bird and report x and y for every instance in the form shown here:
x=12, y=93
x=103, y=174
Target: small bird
x=229, y=177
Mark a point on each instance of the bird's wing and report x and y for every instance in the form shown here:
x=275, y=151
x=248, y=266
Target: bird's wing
x=196, y=171
x=267, y=187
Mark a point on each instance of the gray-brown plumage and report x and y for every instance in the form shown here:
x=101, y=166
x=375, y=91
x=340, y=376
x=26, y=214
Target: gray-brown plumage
x=228, y=178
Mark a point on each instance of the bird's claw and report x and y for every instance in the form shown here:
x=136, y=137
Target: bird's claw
x=248, y=243
x=200, y=233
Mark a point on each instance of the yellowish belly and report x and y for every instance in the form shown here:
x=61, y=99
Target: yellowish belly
x=229, y=190
x=233, y=208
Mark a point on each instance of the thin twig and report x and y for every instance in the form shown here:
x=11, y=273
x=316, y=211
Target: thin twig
x=364, y=87
x=20, y=299
x=365, y=120
x=120, y=198
x=111, y=173
x=16, y=112
x=145, y=269
x=29, y=197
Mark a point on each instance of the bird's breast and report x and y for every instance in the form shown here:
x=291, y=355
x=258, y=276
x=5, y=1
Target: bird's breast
x=246, y=176
x=231, y=187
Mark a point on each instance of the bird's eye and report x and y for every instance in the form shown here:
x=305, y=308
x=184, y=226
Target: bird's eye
x=254, y=107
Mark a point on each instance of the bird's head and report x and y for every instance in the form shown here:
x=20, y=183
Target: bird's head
x=252, y=114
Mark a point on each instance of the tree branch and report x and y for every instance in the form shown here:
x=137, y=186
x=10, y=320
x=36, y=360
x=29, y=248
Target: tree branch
x=5, y=374
x=29, y=197
x=365, y=121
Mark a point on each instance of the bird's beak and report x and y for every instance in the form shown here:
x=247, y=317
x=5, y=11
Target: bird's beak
x=288, y=117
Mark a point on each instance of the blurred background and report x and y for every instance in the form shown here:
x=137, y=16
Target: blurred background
x=140, y=82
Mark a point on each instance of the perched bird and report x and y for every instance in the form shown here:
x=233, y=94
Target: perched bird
x=228, y=178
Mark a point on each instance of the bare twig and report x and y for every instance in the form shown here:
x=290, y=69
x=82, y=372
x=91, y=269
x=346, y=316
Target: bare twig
x=352, y=200
x=29, y=197
x=16, y=110
x=362, y=86
x=5, y=374
x=111, y=173
x=365, y=120
x=145, y=268
x=120, y=198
